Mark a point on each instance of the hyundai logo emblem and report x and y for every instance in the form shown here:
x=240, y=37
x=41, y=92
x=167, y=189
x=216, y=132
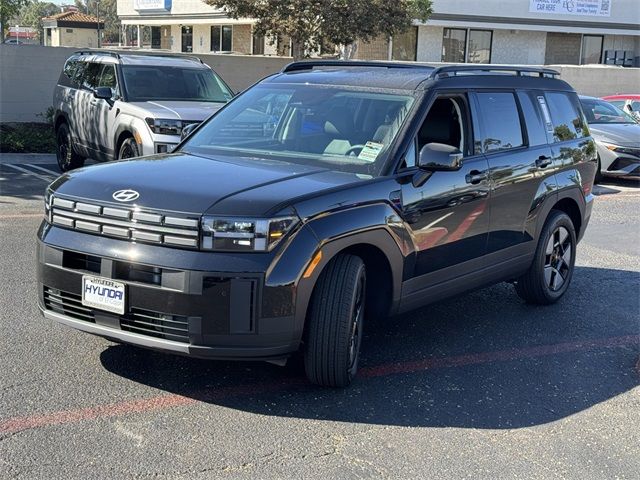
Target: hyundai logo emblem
x=125, y=195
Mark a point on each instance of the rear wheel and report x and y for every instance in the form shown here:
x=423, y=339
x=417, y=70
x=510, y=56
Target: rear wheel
x=67, y=158
x=128, y=149
x=552, y=269
x=335, y=321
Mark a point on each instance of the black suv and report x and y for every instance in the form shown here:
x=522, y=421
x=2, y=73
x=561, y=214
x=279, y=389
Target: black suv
x=327, y=194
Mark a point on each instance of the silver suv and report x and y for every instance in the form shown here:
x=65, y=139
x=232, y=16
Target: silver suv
x=110, y=106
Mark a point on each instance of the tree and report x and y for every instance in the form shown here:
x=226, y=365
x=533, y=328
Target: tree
x=32, y=15
x=108, y=14
x=341, y=22
x=8, y=10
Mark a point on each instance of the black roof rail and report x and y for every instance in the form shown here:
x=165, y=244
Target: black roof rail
x=311, y=64
x=453, y=70
x=98, y=52
x=139, y=53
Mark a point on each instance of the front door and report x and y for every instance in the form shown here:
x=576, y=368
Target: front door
x=104, y=115
x=187, y=39
x=448, y=214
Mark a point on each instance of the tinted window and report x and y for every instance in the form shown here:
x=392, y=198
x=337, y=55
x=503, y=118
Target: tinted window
x=91, y=75
x=74, y=71
x=599, y=111
x=500, y=121
x=533, y=120
x=567, y=124
x=108, y=78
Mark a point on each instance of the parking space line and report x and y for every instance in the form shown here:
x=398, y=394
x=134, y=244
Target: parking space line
x=29, y=172
x=45, y=170
x=18, y=424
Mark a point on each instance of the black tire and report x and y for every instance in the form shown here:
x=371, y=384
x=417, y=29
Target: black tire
x=552, y=268
x=66, y=156
x=128, y=149
x=598, y=177
x=335, y=319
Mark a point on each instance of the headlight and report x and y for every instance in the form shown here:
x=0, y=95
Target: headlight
x=244, y=234
x=165, y=126
x=635, y=152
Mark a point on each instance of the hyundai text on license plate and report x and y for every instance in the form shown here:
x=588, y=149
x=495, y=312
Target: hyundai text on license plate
x=103, y=294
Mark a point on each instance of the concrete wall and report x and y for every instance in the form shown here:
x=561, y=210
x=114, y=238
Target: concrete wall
x=30, y=73
x=518, y=47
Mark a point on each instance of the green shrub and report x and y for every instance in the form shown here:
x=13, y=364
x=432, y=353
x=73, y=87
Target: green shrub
x=27, y=138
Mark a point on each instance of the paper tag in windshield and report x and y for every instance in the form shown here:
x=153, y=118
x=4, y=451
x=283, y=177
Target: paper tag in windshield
x=370, y=151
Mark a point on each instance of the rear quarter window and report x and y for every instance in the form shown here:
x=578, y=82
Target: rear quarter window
x=567, y=118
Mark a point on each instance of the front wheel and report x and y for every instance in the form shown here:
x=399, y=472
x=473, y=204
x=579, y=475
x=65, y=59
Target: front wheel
x=128, y=149
x=335, y=320
x=66, y=157
x=551, y=271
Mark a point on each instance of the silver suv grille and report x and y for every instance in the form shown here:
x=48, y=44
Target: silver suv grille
x=132, y=224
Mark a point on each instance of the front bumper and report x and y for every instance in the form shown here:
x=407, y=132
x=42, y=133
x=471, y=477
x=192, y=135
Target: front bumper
x=175, y=301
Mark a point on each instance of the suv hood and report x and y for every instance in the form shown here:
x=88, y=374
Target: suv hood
x=623, y=134
x=197, y=185
x=190, y=111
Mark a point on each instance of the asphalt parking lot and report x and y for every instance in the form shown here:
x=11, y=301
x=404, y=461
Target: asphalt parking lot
x=481, y=386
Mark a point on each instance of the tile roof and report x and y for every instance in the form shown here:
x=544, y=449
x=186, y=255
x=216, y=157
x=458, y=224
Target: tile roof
x=72, y=16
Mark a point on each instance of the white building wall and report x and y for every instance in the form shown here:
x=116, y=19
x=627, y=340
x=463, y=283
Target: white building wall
x=518, y=47
x=201, y=38
x=429, y=44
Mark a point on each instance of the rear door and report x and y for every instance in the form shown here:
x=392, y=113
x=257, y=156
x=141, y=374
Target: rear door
x=511, y=135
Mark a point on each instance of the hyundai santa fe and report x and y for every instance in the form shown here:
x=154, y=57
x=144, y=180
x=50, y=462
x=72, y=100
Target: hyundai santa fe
x=109, y=105
x=326, y=196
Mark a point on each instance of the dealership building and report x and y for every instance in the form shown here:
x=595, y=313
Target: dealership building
x=536, y=32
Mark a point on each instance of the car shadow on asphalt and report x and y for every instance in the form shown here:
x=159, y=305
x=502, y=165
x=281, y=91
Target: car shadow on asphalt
x=482, y=360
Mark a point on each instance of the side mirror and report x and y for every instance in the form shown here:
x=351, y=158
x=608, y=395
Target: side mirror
x=104, y=93
x=188, y=130
x=438, y=156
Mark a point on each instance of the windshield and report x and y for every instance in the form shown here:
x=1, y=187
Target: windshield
x=334, y=127
x=599, y=111
x=144, y=83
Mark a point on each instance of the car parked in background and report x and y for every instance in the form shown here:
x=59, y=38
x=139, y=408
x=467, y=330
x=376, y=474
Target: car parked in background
x=617, y=136
x=330, y=192
x=627, y=103
x=110, y=106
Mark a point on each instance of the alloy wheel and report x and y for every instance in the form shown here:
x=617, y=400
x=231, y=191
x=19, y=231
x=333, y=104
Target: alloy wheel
x=557, y=266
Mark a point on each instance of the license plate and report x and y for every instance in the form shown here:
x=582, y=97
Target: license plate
x=103, y=293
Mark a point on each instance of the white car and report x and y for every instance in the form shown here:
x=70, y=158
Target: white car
x=617, y=136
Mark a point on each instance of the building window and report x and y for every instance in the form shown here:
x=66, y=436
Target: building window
x=187, y=39
x=405, y=45
x=221, y=38
x=480, y=46
x=591, y=49
x=258, y=44
x=69, y=30
x=454, y=43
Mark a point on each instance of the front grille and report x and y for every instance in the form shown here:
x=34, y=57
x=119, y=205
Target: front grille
x=131, y=224
x=137, y=320
x=66, y=303
x=154, y=324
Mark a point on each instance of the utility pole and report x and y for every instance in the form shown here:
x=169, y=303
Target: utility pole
x=98, y=15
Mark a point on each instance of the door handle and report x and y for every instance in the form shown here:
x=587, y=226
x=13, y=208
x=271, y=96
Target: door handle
x=475, y=176
x=543, y=161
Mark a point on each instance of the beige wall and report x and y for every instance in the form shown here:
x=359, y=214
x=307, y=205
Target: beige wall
x=376, y=49
x=76, y=37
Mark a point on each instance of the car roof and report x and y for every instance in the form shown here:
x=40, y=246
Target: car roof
x=622, y=97
x=151, y=59
x=411, y=76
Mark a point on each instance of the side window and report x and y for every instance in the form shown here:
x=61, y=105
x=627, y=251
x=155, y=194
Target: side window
x=445, y=123
x=91, y=76
x=501, y=121
x=533, y=120
x=74, y=71
x=566, y=118
x=108, y=79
